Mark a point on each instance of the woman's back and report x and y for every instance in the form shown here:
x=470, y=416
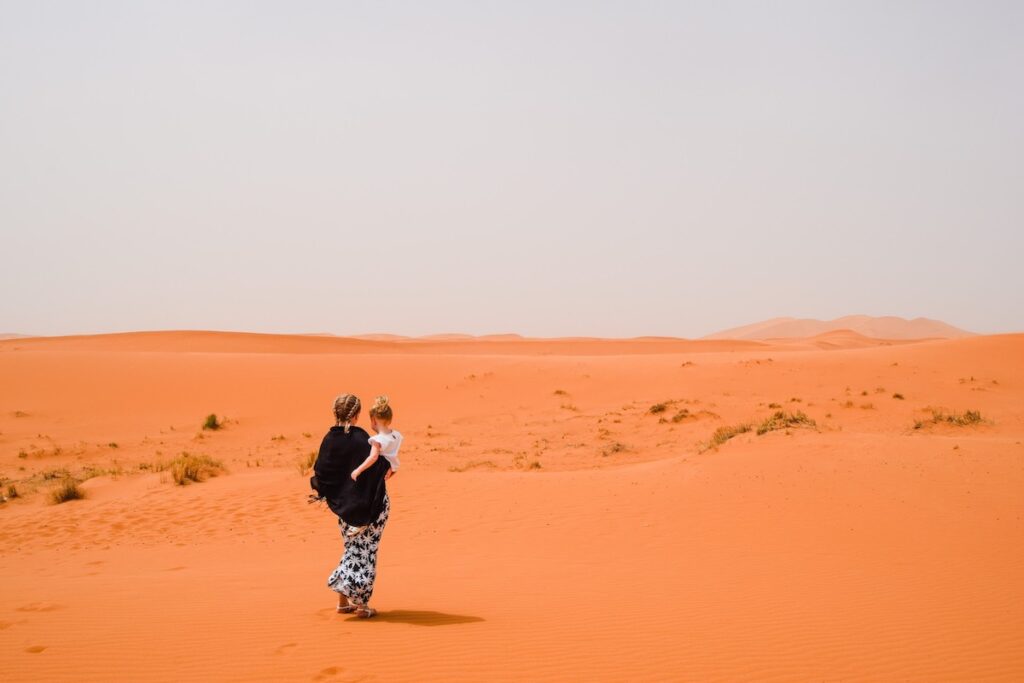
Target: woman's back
x=356, y=502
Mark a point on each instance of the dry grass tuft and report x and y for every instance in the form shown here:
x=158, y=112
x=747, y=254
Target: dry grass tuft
x=970, y=417
x=613, y=448
x=681, y=415
x=898, y=396
x=783, y=420
x=67, y=490
x=723, y=434
x=658, y=408
x=306, y=462
x=187, y=468
x=473, y=464
x=212, y=423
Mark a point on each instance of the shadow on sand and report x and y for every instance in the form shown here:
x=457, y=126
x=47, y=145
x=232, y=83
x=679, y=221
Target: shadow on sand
x=422, y=617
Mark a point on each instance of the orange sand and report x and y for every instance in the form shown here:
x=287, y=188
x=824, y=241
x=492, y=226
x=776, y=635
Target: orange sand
x=864, y=550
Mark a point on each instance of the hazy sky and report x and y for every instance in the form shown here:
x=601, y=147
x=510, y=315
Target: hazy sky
x=547, y=168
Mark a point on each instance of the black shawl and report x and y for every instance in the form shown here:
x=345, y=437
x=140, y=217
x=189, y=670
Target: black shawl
x=355, y=502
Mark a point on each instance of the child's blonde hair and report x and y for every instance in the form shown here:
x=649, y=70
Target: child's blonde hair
x=381, y=409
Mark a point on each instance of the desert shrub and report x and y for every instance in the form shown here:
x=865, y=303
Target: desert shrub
x=112, y=444
x=783, y=420
x=657, y=408
x=212, y=422
x=67, y=490
x=535, y=465
x=898, y=396
x=681, y=415
x=615, y=447
x=970, y=417
x=12, y=491
x=723, y=434
x=561, y=392
x=188, y=468
x=774, y=405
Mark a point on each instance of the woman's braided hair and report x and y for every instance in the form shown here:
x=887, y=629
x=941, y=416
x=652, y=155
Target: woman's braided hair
x=381, y=409
x=346, y=409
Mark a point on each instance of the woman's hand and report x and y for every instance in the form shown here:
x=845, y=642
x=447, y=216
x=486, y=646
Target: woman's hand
x=355, y=475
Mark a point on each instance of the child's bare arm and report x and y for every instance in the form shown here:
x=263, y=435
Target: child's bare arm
x=370, y=459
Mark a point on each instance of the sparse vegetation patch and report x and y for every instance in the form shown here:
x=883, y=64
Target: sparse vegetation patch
x=212, y=422
x=67, y=490
x=783, y=420
x=723, y=434
x=187, y=468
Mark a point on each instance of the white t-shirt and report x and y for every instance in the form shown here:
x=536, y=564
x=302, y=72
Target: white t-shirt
x=389, y=445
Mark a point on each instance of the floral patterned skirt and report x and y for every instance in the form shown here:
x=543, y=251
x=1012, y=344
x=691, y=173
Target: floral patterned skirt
x=357, y=570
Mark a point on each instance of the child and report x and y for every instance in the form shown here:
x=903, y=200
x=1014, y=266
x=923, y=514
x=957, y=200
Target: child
x=385, y=441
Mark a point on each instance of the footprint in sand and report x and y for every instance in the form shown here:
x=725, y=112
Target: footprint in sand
x=327, y=673
x=286, y=648
x=35, y=649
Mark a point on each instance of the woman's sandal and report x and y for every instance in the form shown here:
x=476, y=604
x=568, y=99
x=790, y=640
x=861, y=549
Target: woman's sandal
x=365, y=612
x=347, y=609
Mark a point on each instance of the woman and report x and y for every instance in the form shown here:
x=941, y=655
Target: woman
x=362, y=505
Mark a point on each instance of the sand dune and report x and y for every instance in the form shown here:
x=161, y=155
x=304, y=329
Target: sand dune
x=548, y=526
x=884, y=327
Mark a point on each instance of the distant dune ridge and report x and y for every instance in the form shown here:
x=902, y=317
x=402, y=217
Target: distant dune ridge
x=881, y=327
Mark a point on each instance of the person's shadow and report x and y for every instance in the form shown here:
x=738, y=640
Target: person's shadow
x=422, y=617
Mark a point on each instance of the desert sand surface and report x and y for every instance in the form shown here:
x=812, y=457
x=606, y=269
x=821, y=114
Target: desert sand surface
x=559, y=515
x=882, y=327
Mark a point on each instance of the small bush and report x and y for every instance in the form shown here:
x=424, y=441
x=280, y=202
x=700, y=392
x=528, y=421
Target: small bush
x=615, y=447
x=561, y=392
x=12, y=491
x=970, y=417
x=723, y=434
x=784, y=420
x=67, y=490
x=112, y=444
x=212, y=422
x=657, y=408
x=188, y=468
x=535, y=465
x=774, y=405
x=898, y=396
x=681, y=415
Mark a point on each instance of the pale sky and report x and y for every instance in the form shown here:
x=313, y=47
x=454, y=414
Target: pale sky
x=573, y=168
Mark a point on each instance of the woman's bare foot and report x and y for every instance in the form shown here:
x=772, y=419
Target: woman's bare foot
x=365, y=612
x=344, y=606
